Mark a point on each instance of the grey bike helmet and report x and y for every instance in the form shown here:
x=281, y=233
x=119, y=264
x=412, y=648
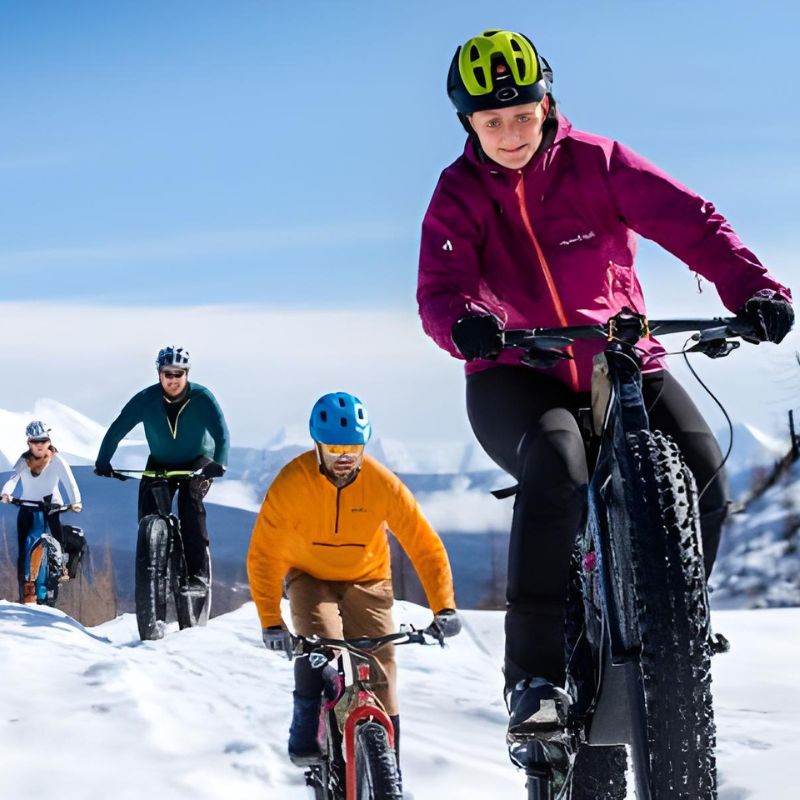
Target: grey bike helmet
x=172, y=356
x=37, y=431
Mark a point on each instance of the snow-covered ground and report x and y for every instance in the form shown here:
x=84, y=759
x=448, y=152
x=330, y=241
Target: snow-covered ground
x=92, y=713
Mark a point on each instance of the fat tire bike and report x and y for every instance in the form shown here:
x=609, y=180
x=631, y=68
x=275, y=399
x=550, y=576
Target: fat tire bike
x=161, y=564
x=638, y=640
x=44, y=561
x=356, y=736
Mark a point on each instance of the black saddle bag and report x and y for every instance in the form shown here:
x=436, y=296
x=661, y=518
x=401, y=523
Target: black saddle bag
x=74, y=544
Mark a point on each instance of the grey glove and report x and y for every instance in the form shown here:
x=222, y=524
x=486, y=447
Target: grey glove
x=279, y=640
x=446, y=622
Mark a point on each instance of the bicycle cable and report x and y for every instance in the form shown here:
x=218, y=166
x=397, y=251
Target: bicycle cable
x=683, y=352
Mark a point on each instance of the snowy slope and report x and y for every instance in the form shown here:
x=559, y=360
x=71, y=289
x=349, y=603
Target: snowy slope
x=759, y=560
x=204, y=713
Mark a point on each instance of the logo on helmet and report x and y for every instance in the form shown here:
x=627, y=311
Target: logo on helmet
x=506, y=93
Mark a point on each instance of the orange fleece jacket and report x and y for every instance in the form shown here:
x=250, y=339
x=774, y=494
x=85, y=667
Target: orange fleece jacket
x=335, y=534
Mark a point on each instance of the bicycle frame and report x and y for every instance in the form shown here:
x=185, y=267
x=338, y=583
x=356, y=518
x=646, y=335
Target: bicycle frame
x=160, y=564
x=609, y=707
x=354, y=659
x=35, y=562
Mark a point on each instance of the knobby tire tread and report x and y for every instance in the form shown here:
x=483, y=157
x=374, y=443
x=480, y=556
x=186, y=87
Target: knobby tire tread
x=600, y=773
x=673, y=622
x=152, y=577
x=377, y=776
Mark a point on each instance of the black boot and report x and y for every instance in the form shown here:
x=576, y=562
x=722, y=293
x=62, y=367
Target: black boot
x=303, y=744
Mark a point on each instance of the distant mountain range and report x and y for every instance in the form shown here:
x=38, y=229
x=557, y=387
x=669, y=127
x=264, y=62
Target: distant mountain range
x=451, y=482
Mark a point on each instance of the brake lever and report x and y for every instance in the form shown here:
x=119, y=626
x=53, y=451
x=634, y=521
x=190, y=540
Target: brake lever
x=715, y=348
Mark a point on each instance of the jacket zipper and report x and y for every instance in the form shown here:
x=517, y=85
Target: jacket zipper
x=548, y=275
x=338, y=494
x=174, y=431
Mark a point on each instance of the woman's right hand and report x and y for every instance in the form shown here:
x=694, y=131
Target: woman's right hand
x=477, y=336
x=5, y=498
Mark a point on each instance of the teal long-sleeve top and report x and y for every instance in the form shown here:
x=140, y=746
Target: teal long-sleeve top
x=199, y=429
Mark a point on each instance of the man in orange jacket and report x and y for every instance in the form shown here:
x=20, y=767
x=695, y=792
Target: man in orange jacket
x=322, y=528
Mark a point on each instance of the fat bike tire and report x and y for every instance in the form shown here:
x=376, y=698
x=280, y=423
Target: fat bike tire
x=677, y=761
x=599, y=773
x=377, y=776
x=152, y=576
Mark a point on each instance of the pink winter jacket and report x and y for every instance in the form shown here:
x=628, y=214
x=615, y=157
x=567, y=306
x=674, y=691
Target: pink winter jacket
x=554, y=244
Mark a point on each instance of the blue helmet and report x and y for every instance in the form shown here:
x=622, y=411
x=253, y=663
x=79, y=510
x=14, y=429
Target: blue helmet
x=339, y=418
x=37, y=430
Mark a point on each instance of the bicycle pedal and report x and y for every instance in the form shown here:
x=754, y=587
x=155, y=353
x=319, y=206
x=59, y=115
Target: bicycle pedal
x=306, y=759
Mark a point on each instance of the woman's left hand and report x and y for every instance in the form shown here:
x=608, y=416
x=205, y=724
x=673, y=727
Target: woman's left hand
x=78, y=507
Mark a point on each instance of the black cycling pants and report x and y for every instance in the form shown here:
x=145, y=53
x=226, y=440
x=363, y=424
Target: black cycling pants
x=191, y=513
x=526, y=422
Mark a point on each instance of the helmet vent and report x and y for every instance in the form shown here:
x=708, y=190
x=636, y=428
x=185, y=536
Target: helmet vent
x=343, y=421
x=323, y=415
x=341, y=402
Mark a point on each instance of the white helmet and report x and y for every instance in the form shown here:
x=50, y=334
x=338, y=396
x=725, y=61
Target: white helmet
x=37, y=430
x=172, y=356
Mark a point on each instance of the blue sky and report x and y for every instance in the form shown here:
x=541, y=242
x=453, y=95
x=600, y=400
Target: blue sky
x=190, y=152
x=286, y=152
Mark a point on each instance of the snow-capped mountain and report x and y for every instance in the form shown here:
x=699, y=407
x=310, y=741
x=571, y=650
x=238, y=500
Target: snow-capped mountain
x=204, y=713
x=76, y=436
x=452, y=484
x=759, y=559
x=753, y=452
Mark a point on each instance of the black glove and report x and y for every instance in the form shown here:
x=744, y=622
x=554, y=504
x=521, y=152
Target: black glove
x=771, y=316
x=212, y=470
x=278, y=639
x=477, y=336
x=447, y=622
x=103, y=470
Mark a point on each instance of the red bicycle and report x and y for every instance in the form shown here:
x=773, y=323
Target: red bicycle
x=356, y=736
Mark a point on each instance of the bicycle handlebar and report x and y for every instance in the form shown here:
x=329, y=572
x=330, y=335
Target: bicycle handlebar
x=49, y=508
x=174, y=474
x=364, y=645
x=705, y=330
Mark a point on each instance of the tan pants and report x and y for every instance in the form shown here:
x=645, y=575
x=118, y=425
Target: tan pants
x=338, y=609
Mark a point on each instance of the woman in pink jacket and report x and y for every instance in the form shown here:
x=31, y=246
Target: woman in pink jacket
x=536, y=225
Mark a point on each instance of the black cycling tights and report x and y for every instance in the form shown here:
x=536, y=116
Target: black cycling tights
x=526, y=422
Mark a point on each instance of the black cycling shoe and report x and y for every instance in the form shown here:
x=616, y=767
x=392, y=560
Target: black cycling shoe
x=537, y=708
x=537, y=736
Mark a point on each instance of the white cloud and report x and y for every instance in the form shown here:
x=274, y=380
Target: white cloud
x=268, y=366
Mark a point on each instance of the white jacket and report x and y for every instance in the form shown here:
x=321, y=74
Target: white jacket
x=37, y=487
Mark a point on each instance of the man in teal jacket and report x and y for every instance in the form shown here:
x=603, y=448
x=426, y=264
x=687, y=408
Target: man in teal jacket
x=185, y=430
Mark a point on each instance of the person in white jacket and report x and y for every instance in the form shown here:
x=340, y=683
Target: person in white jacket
x=41, y=469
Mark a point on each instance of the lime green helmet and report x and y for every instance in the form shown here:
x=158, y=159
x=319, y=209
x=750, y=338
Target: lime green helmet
x=497, y=69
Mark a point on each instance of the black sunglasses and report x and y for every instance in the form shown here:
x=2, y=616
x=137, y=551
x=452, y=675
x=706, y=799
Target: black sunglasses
x=176, y=374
